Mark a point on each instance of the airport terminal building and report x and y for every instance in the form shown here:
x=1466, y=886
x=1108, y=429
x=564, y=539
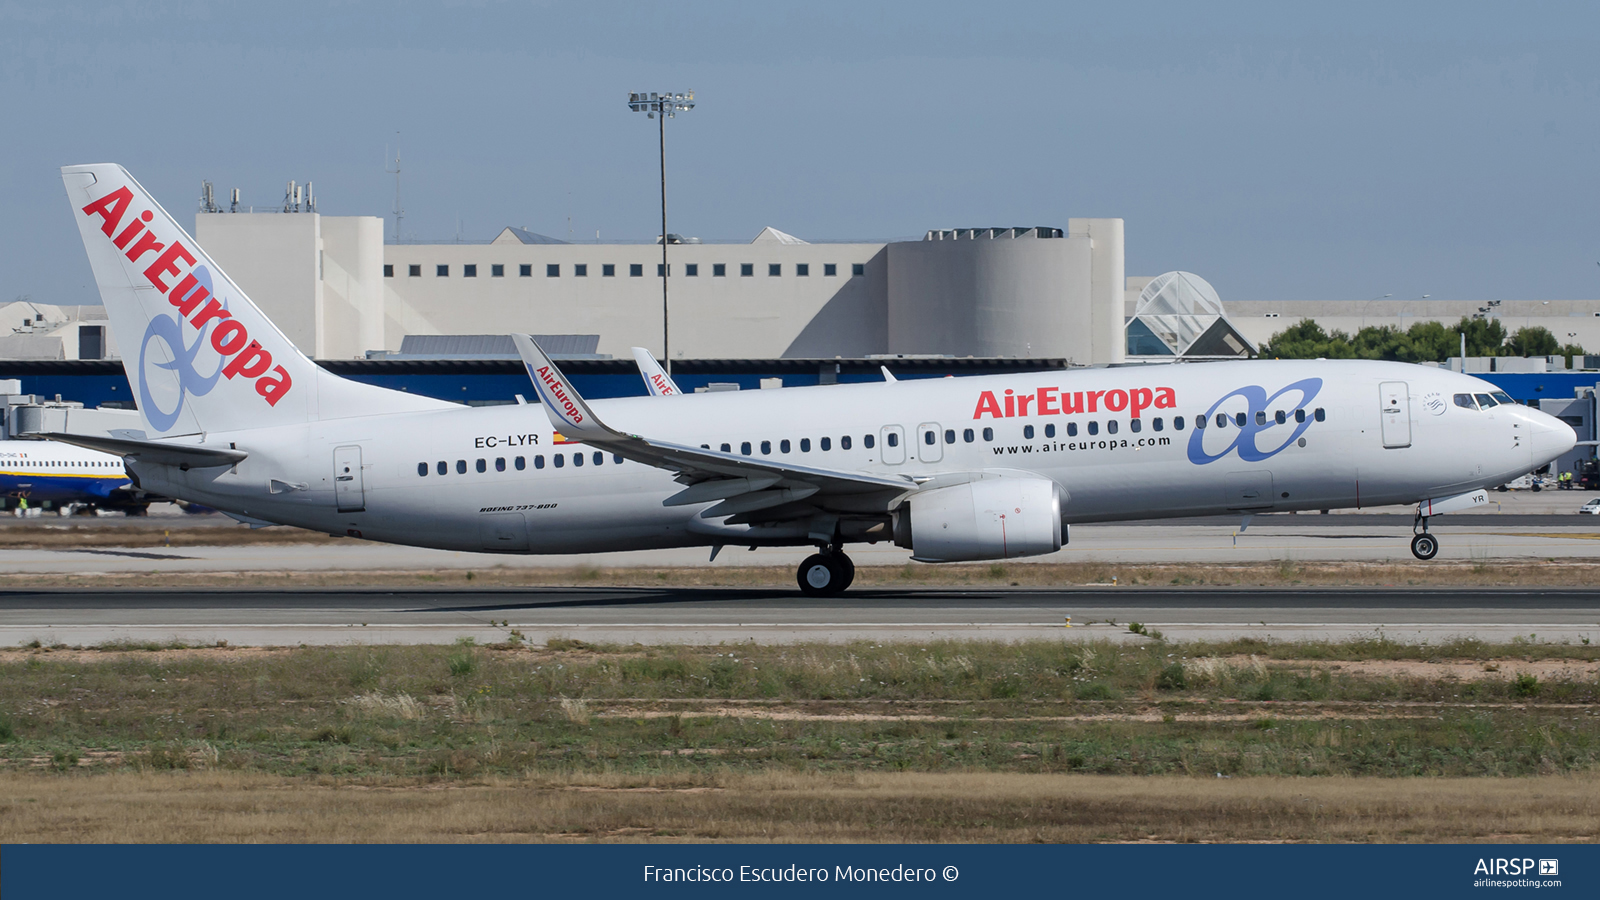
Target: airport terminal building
x=339, y=292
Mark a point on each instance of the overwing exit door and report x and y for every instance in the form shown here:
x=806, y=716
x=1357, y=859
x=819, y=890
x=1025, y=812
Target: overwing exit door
x=347, y=482
x=1396, y=413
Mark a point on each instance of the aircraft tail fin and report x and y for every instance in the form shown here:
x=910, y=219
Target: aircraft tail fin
x=658, y=381
x=199, y=355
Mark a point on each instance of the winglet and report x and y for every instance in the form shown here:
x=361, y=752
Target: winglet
x=568, y=413
x=888, y=375
x=657, y=381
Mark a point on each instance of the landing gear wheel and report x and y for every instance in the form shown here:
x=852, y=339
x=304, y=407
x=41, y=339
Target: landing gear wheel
x=821, y=575
x=1424, y=546
x=847, y=569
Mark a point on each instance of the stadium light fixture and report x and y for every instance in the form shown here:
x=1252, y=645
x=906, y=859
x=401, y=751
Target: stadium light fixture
x=661, y=106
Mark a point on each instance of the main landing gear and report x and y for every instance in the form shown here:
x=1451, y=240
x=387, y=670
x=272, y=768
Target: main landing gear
x=1423, y=544
x=825, y=574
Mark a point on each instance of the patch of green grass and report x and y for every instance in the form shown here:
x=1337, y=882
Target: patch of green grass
x=460, y=711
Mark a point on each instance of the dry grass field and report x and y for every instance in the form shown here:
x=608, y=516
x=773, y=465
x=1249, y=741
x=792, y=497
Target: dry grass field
x=1246, y=740
x=862, y=807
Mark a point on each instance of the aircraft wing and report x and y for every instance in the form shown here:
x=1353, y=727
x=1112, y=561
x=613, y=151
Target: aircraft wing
x=657, y=381
x=184, y=456
x=745, y=485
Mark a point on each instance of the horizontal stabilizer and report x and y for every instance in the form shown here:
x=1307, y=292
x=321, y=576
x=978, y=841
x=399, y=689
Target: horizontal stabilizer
x=182, y=455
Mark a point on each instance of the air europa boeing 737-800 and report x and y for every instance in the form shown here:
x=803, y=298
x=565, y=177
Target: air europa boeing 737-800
x=989, y=467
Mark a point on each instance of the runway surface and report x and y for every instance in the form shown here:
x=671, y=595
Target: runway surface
x=710, y=616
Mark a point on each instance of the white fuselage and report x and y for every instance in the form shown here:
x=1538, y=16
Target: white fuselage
x=1353, y=434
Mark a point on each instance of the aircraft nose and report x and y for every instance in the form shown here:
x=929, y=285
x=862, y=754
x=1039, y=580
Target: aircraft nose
x=1549, y=437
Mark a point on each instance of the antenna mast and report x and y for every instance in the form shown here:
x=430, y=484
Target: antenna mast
x=399, y=211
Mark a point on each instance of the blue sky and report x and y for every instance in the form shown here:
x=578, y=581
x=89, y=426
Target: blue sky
x=1282, y=151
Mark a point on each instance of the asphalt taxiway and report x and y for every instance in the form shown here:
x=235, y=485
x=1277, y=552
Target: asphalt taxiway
x=729, y=615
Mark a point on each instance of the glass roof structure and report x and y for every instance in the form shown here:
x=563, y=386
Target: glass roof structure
x=1180, y=315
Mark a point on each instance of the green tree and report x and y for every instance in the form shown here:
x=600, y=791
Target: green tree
x=1534, y=341
x=1307, y=340
x=1485, y=337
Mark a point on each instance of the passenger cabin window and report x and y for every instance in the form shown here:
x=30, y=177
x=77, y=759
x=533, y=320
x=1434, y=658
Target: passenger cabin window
x=1177, y=423
x=1320, y=414
x=461, y=467
x=891, y=439
x=867, y=441
x=1299, y=415
x=967, y=435
x=443, y=467
x=599, y=457
x=577, y=459
x=988, y=434
x=1072, y=429
x=949, y=435
x=1094, y=427
x=727, y=448
x=422, y=469
x=1280, y=417
x=1239, y=419
x=844, y=442
x=825, y=443
x=805, y=445
x=766, y=448
x=1027, y=432
x=783, y=446
x=483, y=465
x=745, y=448
x=1050, y=431
x=930, y=438
x=521, y=463
x=1155, y=424
x=538, y=461
x=1261, y=417
x=500, y=464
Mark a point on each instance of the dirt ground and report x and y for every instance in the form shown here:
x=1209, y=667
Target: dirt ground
x=797, y=806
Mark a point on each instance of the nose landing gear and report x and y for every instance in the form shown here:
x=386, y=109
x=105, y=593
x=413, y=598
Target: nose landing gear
x=825, y=574
x=1423, y=544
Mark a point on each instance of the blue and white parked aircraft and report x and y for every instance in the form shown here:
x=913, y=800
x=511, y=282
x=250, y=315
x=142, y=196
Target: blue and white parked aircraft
x=41, y=472
x=988, y=467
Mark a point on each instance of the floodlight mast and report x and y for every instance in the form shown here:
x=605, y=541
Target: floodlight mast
x=661, y=106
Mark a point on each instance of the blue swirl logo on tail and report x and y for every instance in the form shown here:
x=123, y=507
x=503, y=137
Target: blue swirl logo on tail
x=190, y=382
x=1246, y=435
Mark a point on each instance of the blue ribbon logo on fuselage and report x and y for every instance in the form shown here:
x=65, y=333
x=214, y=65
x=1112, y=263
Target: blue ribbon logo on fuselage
x=1249, y=437
x=190, y=382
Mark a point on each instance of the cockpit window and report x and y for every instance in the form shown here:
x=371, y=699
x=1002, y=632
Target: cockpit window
x=1486, y=401
x=1465, y=401
x=1503, y=397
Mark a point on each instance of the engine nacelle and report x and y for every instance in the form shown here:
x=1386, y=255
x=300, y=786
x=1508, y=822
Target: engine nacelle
x=993, y=518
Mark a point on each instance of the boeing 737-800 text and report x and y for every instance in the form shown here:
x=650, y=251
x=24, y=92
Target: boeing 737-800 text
x=989, y=467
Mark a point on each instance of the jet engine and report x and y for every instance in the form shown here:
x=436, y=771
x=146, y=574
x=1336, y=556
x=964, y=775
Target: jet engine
x=992, y=518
